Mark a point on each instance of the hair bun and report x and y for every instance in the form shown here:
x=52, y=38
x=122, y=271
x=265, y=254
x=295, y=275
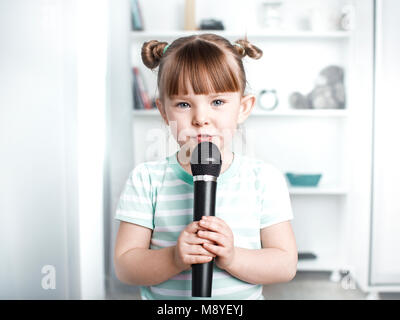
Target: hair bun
x=152, y=52
x=246, y=48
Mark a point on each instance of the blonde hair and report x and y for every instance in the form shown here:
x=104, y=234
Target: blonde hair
x=203, y=60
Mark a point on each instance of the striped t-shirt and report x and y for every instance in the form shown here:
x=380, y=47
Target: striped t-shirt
x=251, y=195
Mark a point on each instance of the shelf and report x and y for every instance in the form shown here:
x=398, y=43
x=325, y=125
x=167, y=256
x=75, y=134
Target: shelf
x=300, y=113
x=261, y=113
x=327, y=261
x=146, y=113
x=149, y=35
x=317, y=191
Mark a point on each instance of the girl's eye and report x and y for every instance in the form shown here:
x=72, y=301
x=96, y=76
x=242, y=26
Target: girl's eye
x=182, y=105
x=218, y=102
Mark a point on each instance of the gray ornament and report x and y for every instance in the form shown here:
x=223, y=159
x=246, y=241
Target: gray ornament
x=298, y=101
x=328, y=93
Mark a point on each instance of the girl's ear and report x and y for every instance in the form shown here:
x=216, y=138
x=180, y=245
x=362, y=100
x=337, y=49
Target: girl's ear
x=161, y=109
x=246, y=105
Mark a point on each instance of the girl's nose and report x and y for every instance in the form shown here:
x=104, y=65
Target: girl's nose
x=200, y=119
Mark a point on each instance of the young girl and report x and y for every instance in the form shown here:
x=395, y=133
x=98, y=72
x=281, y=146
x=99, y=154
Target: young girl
x=201, y=83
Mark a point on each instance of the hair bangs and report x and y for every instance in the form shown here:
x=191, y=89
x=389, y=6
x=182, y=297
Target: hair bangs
x=203, y=66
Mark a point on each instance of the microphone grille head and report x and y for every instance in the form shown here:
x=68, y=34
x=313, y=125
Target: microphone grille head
x=206, y=159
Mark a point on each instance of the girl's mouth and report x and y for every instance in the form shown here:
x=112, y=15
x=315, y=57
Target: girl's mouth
x=204, y=137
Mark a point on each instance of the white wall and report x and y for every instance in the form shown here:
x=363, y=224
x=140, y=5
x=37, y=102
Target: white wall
x=359, y=144
x=52, y=105
x=37, y=150
x=385, y=251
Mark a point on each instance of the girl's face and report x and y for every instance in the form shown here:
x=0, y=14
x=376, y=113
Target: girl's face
x=211, y=117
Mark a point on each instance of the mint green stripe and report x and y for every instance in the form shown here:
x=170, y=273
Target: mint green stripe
x=155, y=296
x=165, y=235
x=173, y=220
x=152, y=246
x=169, y=236
x=186, y=188
x=179, y=189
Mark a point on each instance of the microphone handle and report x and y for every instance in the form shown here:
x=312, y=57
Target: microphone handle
x=203, y=205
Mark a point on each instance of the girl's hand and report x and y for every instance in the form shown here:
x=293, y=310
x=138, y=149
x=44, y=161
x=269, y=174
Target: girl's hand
x=189, y=250
x=220, y=233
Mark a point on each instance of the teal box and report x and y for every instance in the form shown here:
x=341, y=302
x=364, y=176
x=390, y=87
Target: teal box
x=303, y=180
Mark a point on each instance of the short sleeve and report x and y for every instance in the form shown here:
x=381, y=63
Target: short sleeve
x=135, y=203
x=275, y=200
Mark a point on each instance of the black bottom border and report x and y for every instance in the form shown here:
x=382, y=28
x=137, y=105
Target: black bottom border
x=198, y=309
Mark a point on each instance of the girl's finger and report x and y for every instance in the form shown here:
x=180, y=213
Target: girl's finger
x=211, y=224
x=217, y=250
x=216, y=237
x=216, y=224
x=194, y=239
x=193, y=227
x=199, y=259
x=199, y=250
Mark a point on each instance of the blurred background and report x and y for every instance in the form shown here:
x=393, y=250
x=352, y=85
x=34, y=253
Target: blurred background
x=77, y=115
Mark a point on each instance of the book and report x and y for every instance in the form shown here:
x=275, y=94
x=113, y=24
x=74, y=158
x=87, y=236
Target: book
x=306, y=256
x=190, y=15
x=140, y=91
x=137, y=101
x=136, y=16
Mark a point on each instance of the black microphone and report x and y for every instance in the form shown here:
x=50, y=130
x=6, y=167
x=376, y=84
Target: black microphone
x=205, y=163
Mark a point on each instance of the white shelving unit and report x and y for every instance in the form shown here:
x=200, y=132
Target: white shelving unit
x=293, y=140
x=333, y=191
x=261, y=113
x=145, y=35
